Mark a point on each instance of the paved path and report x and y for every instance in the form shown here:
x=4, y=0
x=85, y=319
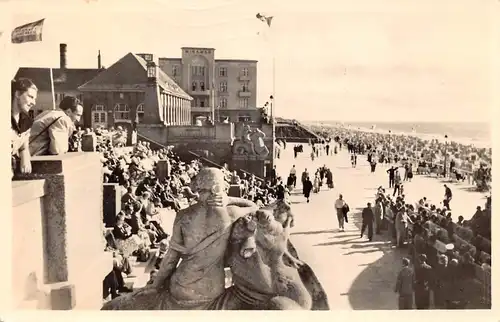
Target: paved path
x=356, y=274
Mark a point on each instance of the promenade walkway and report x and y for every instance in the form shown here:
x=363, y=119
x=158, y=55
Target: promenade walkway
x=356, y=274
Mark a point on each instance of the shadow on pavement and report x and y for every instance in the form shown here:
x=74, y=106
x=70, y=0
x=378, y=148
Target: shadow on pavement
x=314, y=232
x=373, y=288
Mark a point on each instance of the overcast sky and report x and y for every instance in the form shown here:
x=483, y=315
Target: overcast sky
x=350, y=60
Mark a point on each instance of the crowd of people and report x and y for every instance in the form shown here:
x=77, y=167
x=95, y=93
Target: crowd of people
x=444, y=158
x=444, y=253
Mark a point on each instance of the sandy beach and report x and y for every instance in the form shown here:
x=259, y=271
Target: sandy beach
x=423, y=136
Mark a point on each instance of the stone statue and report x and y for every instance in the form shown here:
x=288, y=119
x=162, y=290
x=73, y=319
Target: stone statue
x=200, y=236
x=251, y=143
x=218, y=232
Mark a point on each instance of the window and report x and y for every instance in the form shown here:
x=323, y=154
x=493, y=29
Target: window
x=193, y=86
x=244, y=72
x=99, y=108
x=202, y=103
x=244, y=118
x=243, y=102
x=99, y=114
x=202, y=86
x=223, y=87
x=140, y=112
x=223, y=102
x=174, y=70
x=198, y=70
x=122, y=96
x=222, y=72
x=244, y=87
x=121, y=112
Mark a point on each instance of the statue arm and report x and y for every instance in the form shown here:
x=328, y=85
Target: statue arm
x=171, y=259
x=239, y=207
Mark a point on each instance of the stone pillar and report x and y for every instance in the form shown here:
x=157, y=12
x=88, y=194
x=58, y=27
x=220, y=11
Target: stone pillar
x=89, y=142
x=168, y=109
x=111, y=202
x=74, y=258
x=177, y=116
x=162, y=169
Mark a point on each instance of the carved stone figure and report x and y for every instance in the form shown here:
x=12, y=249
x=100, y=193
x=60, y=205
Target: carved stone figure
x=209, y=236
x=200, y=237
x=251, y=143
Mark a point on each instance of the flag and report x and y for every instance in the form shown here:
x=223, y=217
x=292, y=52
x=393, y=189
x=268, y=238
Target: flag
x=265, y=19
x=28, y=32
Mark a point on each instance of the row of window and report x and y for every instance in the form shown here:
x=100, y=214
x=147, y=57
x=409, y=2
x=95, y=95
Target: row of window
x=245, y=86
x=201, y=71
x=201, y=102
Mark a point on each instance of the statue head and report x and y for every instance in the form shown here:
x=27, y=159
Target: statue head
x=207, y=182
x=281, y=212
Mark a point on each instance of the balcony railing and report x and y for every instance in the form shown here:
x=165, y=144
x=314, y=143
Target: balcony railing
x=201, y=109
x=199, y=91
x=245, y=93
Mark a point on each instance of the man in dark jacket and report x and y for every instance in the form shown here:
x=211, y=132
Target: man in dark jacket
x=423, y=279
x=447, y=197
x=368, y=217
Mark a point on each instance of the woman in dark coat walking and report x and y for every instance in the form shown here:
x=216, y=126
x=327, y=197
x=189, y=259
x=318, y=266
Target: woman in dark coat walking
x=307, y=188
x=329, y=178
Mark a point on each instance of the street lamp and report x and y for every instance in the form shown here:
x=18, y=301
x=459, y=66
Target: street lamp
x=445, y=154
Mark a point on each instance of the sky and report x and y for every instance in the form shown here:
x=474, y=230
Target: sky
x=346, y=60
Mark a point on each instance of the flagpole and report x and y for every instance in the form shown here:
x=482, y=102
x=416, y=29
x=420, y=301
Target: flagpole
x=52, y=89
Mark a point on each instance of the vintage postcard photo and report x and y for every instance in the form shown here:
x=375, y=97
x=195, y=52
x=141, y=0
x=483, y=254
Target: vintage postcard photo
x=250, y=155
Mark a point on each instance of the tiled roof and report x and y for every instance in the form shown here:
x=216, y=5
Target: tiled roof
x=165, y=81
x=130, y=73
x=64, y=80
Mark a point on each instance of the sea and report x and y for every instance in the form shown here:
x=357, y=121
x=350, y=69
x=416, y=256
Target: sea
x=477, y=133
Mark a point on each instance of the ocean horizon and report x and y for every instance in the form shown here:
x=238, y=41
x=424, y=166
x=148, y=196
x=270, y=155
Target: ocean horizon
x=472, y=131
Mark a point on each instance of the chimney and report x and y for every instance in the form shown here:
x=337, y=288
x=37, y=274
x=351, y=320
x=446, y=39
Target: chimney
x=62, y=57
x=99, y=66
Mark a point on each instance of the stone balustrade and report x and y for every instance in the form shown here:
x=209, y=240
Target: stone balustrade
x=59, y=260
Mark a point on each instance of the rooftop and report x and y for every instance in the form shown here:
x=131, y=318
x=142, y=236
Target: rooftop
x=217, y=60
x=64, y=79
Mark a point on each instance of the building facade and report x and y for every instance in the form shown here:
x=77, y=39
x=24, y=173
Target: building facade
x=66, y=81
x=117, y=95
x=221, y=88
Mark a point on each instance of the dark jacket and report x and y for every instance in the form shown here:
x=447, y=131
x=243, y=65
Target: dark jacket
x=367, y=215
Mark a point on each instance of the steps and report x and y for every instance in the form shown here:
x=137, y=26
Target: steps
x=140, y=271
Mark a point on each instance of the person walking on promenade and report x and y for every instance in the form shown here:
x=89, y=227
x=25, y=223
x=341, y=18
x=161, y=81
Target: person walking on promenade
x=447, y=197
x=373, y=166
x=423, y=278
x=306, y=188
x=293, y=175
x=329, y=178
x=404, y=286
x=392, y=172
x=367, y=217
x=378, y=212
x=305, y=175
x=401, y=224
x=397, y=184
x=339, y=205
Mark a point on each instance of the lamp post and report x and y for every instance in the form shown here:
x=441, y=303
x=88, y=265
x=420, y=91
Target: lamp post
x=445, y=154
